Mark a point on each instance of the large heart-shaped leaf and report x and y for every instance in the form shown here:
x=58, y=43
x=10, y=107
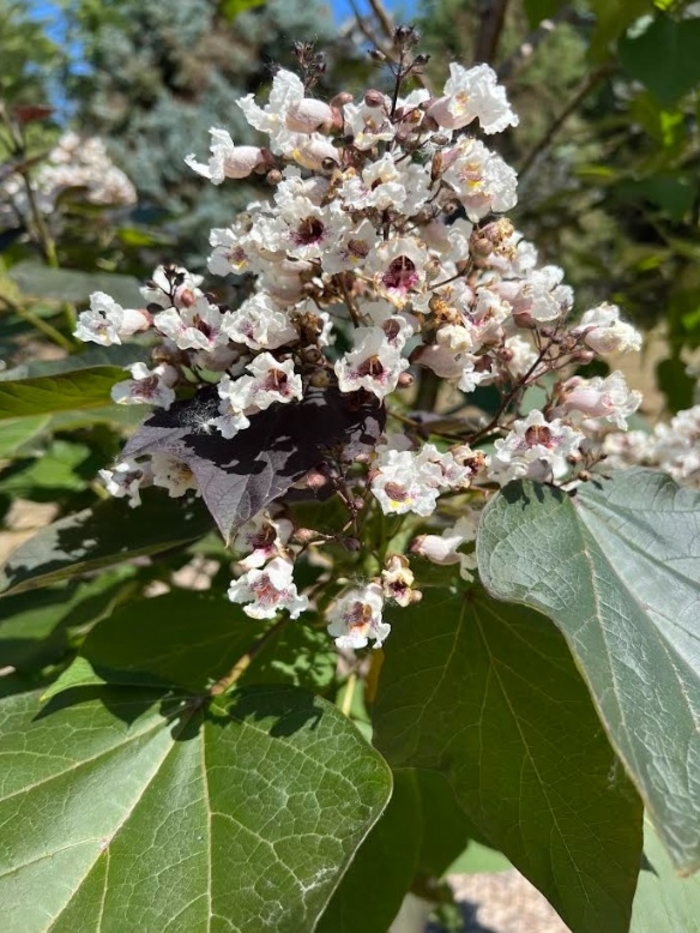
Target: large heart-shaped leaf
x=488, y=695
x=617, y=567
x=124, y=811
x=240, y=476
x=108, y=534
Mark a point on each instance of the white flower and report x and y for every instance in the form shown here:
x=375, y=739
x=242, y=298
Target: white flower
x=608, y=398
x=398, y=580
x=268, y=590
x=126, y=480
x=108, y=323
x=473, y=94
x=259, y=324
x=443, y=549
x=290, y=119
x=172, y=474
x=535, y=449
x=351, y=249
x=385, y=184
x=172, y=287
x=481, y=180
x=273, y=381
x=304, y=230
x=406, y=482
x=197, y=327
x=397, y=266
x=147, y=387
x=356, y=617
x=261, y=539
x=677, y=446
x=368, y=125
x=540, y=297
x=269, y=382
x=227, y=160
x=604, y=332
x=375, y=364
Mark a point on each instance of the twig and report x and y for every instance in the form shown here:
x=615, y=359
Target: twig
x=244, y=662
x=531, y=42
x=547, y=138
x=385, y=20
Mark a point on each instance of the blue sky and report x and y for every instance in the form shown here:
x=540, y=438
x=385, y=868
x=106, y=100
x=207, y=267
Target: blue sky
x=342, y=9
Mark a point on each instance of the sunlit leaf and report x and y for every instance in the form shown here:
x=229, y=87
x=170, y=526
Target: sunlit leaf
x=122, y=810
x=617, y=567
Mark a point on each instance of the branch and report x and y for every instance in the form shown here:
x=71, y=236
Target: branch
x=492, y=15
x=548, y=137
x=531, y=42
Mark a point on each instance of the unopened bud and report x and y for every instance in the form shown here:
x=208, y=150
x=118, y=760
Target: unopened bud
x=374, y=98
x=341, y=99
x=377, y=55
x=406, y=380
x=351, y=544
x=274, y=177
x=184, y=298
x=304, y=535
x=315, y=479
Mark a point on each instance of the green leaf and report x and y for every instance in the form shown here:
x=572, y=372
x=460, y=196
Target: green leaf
x=35, y=625
x=664, y=902
x=60, y=285
x=121, y=355
x=477, y=860
x=298, y=654
x=675, y=383
x=617, y=567
x=488, y=695
x=664, y=58
x=56, y=472
x=187, y=638
x=445, y=829
x=383, y=868
x=124, y=812
x=87, y=388
x=230, y=9
x=107, y=534
x=612, y=19
x=16, y=432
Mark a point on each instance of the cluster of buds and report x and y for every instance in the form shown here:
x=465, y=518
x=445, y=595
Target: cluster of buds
x=377, y=263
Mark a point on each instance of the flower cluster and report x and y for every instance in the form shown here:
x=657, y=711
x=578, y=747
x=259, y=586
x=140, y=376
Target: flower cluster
x=74, y=162
x=378, y=268
x=673, y=447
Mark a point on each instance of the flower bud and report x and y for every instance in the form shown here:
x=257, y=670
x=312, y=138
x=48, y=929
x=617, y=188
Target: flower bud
x=341, y=99
x=309, y=115
x=374, y=98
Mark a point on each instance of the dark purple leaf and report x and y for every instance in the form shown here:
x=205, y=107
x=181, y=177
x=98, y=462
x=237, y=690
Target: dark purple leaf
x=240, y=476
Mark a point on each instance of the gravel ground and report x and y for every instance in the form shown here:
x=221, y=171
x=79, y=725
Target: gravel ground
x=504, y=902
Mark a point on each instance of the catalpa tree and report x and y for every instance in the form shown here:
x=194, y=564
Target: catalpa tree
x=438, y=613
